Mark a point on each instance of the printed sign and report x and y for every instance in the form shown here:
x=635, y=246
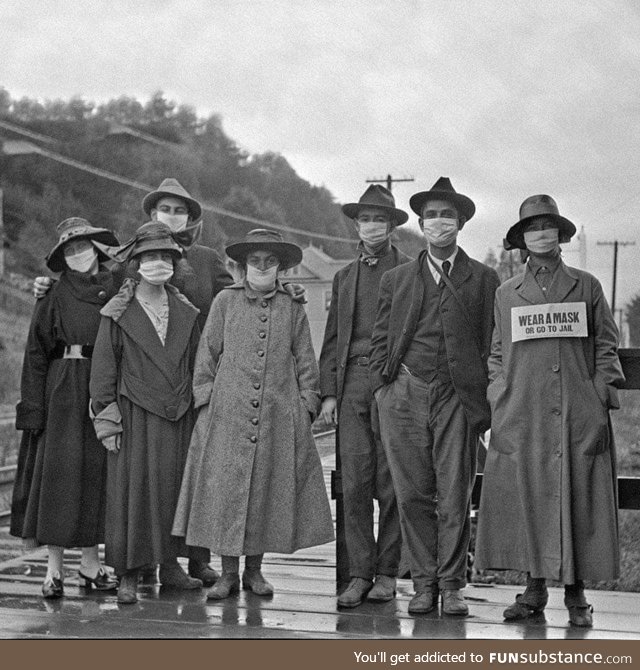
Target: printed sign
x=555, y=319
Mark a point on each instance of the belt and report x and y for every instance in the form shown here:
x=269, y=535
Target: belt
x=73, y=351
x=359, y=360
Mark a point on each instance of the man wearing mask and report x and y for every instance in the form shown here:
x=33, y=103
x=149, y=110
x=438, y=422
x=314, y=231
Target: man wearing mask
x=549, y=503
x=428, y=370
x=347, y=400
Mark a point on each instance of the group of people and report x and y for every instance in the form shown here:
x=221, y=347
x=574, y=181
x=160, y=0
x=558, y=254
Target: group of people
x=420, y=357
x=167, y=408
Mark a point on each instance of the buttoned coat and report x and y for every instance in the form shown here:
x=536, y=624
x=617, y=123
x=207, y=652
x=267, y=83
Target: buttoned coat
x=143, y=390
x=549, y=501
x=339, y=328
x=253, y=480
x=467, y=328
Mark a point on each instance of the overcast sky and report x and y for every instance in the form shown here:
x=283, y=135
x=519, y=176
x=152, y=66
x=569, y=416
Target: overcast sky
x=508, y=99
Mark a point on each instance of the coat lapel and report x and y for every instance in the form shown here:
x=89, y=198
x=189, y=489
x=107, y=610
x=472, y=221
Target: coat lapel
x=563, y=282
x=528, y=288
x=461, y=270
x=348, y=305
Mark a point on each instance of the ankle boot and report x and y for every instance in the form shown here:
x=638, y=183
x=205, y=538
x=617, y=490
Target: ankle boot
x=127, y=591
x=228, y=583
x=172, y=575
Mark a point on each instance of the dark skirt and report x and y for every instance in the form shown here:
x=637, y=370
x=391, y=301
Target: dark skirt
x=143, y=484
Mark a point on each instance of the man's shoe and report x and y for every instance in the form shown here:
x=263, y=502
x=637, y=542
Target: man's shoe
x=253, y=580
x=203, y=571
x=148, y=574
x=173, y=576
x=127, y=591
x=527, y=604
x=53, y=587
x=580, y=611
x=228, y=583
x=383, y=590
x=424, y=601
x=453, y=603
x=355, y=593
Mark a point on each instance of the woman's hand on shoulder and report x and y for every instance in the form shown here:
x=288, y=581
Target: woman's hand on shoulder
x=112, y=443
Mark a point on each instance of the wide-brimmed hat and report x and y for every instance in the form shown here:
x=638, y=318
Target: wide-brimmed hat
x=151, y=236
x=443, y=190
x=74, y=228
x=172, y=188
x=261, y=238
x=380, y=197
x=538, y=205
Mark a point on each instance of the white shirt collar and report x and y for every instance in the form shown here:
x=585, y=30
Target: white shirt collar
x=438, y=262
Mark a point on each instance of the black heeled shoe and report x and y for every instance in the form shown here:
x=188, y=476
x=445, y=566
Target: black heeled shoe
x=53, y=588
x=103, y=581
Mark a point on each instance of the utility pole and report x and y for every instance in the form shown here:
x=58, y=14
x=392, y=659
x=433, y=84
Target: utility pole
x=615, y=244
x=389, y=181
x=1, y=238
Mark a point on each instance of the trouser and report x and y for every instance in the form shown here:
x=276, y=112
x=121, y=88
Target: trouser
x=365, y=476
x=432, y=457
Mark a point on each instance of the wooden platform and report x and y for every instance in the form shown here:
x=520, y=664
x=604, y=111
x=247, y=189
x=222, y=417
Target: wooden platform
x=304, y=606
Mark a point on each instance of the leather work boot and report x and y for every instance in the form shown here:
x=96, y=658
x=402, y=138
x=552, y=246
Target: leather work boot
x=355, y=593
x=453, y=603
x=580, y=612
x=253, y=580
x=172, y=575
x=531, y=602
x=383, y=590
x=202, y=571
x=127, y=591
x=425, y=600
x=228, y=583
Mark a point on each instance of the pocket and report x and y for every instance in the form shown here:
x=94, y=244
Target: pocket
x=495, y=389
x=598, y=434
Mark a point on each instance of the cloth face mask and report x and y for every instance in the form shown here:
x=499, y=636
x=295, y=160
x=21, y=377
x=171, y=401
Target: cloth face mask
x=440, y=232
x=176, y=222
x=373, y=233
x=83, y=261
x=262, y=280
x=541, y=241
x=156, y=272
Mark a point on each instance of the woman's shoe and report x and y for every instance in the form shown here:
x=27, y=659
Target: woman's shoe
x=253, y=580
x=127, y=591
x=228, y=583
x=103, y=581
x=172, y=575
x=53, y=587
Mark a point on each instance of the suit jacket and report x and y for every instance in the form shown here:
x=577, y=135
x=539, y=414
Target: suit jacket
x=467, y=331
x=339, y=328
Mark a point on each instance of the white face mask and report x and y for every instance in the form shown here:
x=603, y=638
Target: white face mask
x=82, y=261
x=156, y=272
x=541, y=241
x=176, y=222
x=440, y=232
x=262, y=280
x=373, y=233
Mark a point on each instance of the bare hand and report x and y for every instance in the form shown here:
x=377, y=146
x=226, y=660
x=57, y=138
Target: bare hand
x=112, y=443
x=297, y=292
x=329, y=411
x=41, y=286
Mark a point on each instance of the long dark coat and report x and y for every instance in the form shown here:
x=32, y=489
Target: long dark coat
x=467, y=332
x=59, y=493
x=253, y=481
x=146, y=386
x=339, y=328
x=549, y=502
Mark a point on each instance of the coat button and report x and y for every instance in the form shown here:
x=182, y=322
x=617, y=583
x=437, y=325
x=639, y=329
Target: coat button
x=556, y=410
x=255, y=403
x=263, y=318
x=556, y=368
x=265, y=303
x=171, y=411
x=254, y=421
x=260, y=353
x=262, y=334
x=256, y=386
x=253, y=439
x=102, y=295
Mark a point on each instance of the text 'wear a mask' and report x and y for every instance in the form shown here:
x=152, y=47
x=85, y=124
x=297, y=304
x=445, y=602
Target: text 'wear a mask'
x=82, y=261
x=541, y=241
x=156, y=272
x=440, y=232
x=176, y=222
x=373, y=233
x=262, y=280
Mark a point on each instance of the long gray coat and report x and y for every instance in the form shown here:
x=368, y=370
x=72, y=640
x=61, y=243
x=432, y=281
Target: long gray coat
x=549, y=499
x=253, y=480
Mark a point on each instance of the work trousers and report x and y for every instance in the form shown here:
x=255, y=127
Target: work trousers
x=365, y=476
x=432, y=456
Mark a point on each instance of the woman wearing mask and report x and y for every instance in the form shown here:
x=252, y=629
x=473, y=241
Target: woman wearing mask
x=59, y=494
x=141, y=396
x=253, y=481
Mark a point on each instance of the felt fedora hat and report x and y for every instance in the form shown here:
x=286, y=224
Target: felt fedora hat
x=443, y=190
x=172, y=188
x=532, y=207
x=376, y=196
x=75, y=228
x=264, y=239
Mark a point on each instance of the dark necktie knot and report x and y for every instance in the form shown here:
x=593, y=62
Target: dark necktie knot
x=446, y=267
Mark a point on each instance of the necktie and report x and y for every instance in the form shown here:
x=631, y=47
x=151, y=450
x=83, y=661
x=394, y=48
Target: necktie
x=446, y=267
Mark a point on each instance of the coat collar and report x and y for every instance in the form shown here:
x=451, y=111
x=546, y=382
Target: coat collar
x=460, y=272
x=564, y=280
x=252, y=294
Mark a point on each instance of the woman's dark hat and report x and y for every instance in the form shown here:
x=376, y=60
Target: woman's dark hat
x=152, y=236
x=172, y=188
x=376, y=196
x=270, y=240
x=538, y=205
x=443, y=190
x=74, y=228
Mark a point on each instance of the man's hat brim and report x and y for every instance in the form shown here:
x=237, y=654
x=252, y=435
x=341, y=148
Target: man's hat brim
x=515, y=234
x=151, y=200
x=289, y=254
x=462, y=203
x=352, y=209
